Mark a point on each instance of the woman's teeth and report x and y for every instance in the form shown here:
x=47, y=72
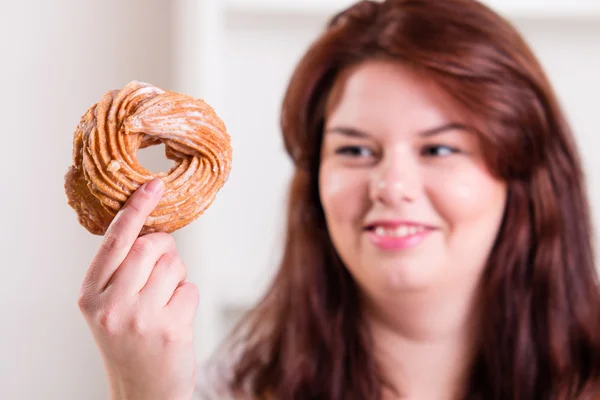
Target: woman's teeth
x=400, y=231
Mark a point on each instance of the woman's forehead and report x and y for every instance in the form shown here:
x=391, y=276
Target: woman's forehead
x=384, y=93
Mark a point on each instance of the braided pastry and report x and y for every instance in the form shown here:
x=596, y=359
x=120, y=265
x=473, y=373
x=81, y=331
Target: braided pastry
x=105, y=170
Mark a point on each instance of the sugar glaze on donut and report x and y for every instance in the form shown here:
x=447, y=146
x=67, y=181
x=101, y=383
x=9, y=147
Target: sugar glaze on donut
x=105, y=170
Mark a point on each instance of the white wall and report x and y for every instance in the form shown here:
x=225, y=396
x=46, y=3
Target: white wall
x=59, y=57
x=570, y=52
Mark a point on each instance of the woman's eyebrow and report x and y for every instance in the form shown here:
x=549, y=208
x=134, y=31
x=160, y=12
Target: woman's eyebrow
x=347, y=131
x=452, y=126
x=356, y=133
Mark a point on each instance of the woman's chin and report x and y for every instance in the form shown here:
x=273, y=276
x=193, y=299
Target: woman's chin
x=406, y=276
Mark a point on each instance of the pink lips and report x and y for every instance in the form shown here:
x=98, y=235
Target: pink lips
x=411, y=234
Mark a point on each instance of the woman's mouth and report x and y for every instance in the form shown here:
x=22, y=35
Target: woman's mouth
x=399, y=231
x=396, y=236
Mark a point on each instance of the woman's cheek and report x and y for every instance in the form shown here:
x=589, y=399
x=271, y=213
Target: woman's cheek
x=340, y=191
x=465, y=192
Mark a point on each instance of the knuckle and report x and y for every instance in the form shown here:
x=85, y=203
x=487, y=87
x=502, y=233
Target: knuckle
x=169, y=336
x=191, y=292
x=175, y=335
x=138, y=324
x=85, y=300
x=170, y=260
x=109, y=321
x=112, y=241
x=179, y=269
x=163, y=236
x=170, y=241
x=194, y=293
x=141, y=245
x=85, y=303
x=166, y=240
x=190, y=288
x=172, y=264
x=179, y=264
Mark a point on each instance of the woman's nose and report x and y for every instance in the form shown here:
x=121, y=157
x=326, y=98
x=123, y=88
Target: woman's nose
x=395, y=180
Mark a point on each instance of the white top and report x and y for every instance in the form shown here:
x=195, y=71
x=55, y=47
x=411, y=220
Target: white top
x=211, y=383
x=213, y=377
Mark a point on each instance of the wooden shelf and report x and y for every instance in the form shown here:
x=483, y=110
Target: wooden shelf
x=529, y=9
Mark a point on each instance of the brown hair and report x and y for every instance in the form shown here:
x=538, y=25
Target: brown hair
x=541, y=335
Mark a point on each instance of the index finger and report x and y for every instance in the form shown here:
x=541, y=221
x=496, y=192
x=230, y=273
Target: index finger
x=123, y=231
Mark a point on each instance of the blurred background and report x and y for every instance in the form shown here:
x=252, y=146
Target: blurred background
x=60, y=56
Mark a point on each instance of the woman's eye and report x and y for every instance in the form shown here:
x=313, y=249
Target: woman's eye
x=354, y=151
x=439, y=151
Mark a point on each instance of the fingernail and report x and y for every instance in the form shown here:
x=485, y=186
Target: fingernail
x=154, y=187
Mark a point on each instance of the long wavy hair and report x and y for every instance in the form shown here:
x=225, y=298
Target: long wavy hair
x=540, y=338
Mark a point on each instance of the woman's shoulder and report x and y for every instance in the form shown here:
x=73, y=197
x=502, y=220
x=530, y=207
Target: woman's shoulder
x=212, y=383
x=214, y=376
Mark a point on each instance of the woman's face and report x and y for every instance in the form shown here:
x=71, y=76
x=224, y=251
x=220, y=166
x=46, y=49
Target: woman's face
x=409, y=203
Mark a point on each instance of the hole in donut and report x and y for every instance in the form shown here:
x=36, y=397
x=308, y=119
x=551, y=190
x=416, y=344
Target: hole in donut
x=154, y=159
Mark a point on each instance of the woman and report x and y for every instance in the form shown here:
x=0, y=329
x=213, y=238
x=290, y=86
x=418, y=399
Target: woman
x=438, y=243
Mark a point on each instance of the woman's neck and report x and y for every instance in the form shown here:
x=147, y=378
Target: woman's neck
x=425, y=342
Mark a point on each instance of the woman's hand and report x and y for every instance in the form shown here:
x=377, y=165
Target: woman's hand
x=139, y=307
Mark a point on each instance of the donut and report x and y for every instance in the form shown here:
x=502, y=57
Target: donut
x=105, y=170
